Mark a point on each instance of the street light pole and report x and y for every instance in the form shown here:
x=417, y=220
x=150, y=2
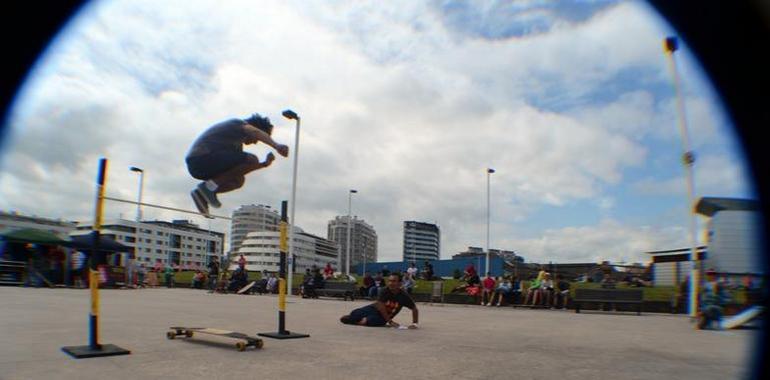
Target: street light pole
x=130, y=262
x=291, y=115
x=489, y=172
x=350, y=221
x=688, y=159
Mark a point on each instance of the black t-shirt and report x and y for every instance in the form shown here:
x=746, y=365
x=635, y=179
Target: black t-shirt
x=225, y=136
x=394, y=301
x=562, y=285
x=474, y=280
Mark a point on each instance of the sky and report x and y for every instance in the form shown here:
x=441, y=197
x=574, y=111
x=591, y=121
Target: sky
x=408, y=102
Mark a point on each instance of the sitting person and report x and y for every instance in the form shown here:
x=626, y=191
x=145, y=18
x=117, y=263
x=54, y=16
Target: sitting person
x=503, y=291
x=471, y=280
x=532, y=290
x=515, y=290
x=713, y=297
x=408, y=283
x=239, y=279
x=608, y=282
x=561, y=295
x=488, y=290
x=545, y=295
x=198, y=280
x=366, y=284
x=389, y=303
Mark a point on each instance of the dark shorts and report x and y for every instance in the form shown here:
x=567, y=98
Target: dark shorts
x=213, y=164
x=373, y=317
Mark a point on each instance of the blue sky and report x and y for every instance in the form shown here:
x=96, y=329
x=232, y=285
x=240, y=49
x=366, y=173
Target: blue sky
x=408, y=102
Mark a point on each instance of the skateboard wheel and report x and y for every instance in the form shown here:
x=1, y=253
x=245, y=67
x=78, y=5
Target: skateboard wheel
x=259, y=344
x=188, y=334
x=240, y=346
x=170, y=335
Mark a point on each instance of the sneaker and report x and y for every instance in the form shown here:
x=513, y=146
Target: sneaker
x=200, y=202
x=211, y=197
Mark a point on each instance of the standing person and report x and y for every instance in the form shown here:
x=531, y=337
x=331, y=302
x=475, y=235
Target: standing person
x=428, y=270
x=242, y=262
x=387, y=306
x=366, y=284
x=168, y=275
x=78, y=263
x=378, y=284
x=488, y=289
x=412, y=270
x=213, y=273
x=217, y=157
x=140, y=273
x=408, y=283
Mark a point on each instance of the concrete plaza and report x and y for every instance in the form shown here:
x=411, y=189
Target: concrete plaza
x=453, y=342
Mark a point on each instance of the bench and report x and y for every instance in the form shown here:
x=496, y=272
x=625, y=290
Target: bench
x=335, y=289
x=608, y=296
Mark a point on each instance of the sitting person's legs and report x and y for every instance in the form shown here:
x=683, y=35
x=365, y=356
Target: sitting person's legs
x=365, y=316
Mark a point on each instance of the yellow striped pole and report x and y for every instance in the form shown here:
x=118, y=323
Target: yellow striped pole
x=93, y=269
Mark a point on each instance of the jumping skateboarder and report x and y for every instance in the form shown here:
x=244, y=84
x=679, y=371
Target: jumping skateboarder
x=217, y=157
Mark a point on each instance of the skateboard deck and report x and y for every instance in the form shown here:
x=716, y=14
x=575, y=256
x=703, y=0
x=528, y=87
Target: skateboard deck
x=246, y=288
x=245, y=340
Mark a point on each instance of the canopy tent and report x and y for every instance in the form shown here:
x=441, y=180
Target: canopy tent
x=34, y=236
x=107, y=244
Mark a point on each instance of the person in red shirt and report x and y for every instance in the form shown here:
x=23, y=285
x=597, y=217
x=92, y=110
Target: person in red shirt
x=470, y=270
x=488, y=289
x=328, y=271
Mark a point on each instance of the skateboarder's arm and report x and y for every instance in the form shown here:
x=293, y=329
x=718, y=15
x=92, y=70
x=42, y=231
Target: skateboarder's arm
x=255, y=134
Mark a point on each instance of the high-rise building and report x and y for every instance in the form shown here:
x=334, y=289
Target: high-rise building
x=363, y=241
x=179, y=242
x=261, y=250
x=13, y=220
x=422, y=241
x=251, y=218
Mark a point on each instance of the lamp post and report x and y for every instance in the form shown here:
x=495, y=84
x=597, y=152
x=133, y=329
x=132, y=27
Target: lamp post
x=130, y=262
x=670, y=45
x=489, y=173
x=291, y=115
x=350, y=221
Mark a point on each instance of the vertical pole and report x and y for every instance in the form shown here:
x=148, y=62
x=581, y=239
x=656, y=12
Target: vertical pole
x=688, y=159
x=293, y=202
x=282, y=271
x=93, y=318
x=350, y=221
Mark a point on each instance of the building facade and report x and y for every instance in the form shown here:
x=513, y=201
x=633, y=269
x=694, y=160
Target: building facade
x=251, y=218
x=732, y=237
x=363, y=241
x=261, y=250
x=160, y=243
x=422, y=241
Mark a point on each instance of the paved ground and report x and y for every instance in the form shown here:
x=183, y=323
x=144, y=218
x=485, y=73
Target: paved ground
x=453, y=342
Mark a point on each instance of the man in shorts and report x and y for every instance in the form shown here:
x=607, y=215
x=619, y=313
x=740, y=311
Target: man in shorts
x=217, y=157
x=388, y=305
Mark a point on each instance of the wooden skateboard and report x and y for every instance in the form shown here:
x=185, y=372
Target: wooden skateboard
x=188, y=332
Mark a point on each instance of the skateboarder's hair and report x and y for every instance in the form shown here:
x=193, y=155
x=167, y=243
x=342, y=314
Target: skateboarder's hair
x=260, y=122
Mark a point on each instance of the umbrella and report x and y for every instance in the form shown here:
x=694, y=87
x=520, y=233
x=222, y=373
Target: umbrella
x=35, y=236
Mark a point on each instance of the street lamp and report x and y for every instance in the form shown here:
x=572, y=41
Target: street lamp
x=350, y=221
x=489, y=173
x=670, y=45
x=291, y=115
x=130, y=262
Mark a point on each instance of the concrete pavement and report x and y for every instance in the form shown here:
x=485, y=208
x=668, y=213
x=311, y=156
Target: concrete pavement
x=454, y=341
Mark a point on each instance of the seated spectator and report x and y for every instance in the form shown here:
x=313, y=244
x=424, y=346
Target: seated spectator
x=470, y=281
x=198, y=280
x=532, y=290
x=328, y=271
x=239, y=279
x=608, y=282
x=379, y=283
x=503, y=291
x=515, y=290
x=545, y=295
x=366, y=284
x=408, y=283
x=561, y=295
x=272, y=284
x=488, y=290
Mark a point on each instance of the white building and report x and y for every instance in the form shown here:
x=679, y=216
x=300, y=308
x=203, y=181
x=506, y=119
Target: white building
x=14, y=221
x=251, y=218
x=262, y=251
x=363, y=241
x=732, y=235
x=422, y=241
x=179, y=242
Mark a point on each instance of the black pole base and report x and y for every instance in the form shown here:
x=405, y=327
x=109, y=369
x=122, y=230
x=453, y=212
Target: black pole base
x=284, y=335
x=82, y=352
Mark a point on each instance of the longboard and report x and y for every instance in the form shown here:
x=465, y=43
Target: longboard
x=247, y=287
x=741, y=318
x=188, y=332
